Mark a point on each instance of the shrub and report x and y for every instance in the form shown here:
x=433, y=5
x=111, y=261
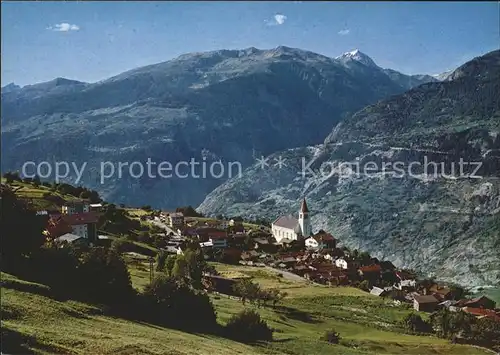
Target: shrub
x=414, y=323
x=247, y=326
x=331, y=336
x=174, y=303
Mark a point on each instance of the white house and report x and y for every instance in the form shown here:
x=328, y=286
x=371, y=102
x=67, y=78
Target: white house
x=321, y=240
x=290, y=228
x=341, y=263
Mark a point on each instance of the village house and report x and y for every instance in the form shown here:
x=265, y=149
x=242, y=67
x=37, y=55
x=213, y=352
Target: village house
x=442, y=293
x=77, y=219
x=482, y=313
x=175, y=219
x=345, y=264
x=321, y=240
x=234, y=223
x=370, y=272
x=289, y=228
x=425, y=303
x=478, y=302
x=218, y=241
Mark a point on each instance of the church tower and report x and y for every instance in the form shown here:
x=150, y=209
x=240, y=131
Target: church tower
x=304, y=221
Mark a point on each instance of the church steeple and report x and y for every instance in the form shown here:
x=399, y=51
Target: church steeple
x=304, y=222
x=303, y=207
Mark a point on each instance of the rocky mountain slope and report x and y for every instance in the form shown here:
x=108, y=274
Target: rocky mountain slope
x=228, y=105
x=374, y=185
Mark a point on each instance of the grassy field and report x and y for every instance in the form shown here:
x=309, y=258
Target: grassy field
x=50, y=326
x=36, y=195
x=367, y=324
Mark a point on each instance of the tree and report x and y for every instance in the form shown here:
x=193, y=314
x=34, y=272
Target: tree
x=276, y=296
x=161, y=259
x=412, y=322
x=196, y=265
x=20, y=227
x=486, y=332
x=449, y=324
x=9, y=179
x=180, y=268
x=247, y=290
x=172, y=302
x=105, y=278
x=84, y=194
x=365, y=285
x=331, y=336
x=169, y=264
x=247, y=326
x=120, y=245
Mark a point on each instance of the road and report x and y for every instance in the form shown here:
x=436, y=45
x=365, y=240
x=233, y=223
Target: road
x=162, y=225
x=287, y=275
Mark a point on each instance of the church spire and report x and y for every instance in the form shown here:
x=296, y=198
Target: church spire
x=303, y=207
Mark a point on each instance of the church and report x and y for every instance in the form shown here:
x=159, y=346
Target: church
x=291, y=228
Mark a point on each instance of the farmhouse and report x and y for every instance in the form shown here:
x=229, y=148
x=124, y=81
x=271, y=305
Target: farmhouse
x=480, y=302
x=321, y=240
x=290, y=228
x=425, y=303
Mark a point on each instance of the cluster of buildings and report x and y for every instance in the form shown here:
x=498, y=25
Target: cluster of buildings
x=76, y=221
x=291, y=247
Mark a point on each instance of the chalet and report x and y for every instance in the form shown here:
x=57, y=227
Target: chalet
x=321, y=240
x=175, y=219
x=222, y=224
x=405, y=284
x=78, y=216
x=370, y=271
x=482, y=313
x=95, y=207
x=441, y=292
x=479, y=302
x=424, y=303
x=218, y=241
x=205, y=233
x=75, y=207
x=342, y=263
x=234, y=223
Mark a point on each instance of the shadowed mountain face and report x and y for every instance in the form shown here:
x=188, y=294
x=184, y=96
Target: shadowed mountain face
x=229, y=105
x=388, y=178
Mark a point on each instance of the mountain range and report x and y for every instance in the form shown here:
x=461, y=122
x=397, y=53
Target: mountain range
x=228, y=105
x=313, y=114
x=440, y=220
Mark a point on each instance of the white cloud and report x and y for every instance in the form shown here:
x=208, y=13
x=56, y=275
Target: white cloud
x=344, y=32
x=64, y=27
x=280, y=19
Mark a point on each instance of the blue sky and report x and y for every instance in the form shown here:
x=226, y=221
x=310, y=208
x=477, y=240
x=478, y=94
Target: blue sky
x=90, y=41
